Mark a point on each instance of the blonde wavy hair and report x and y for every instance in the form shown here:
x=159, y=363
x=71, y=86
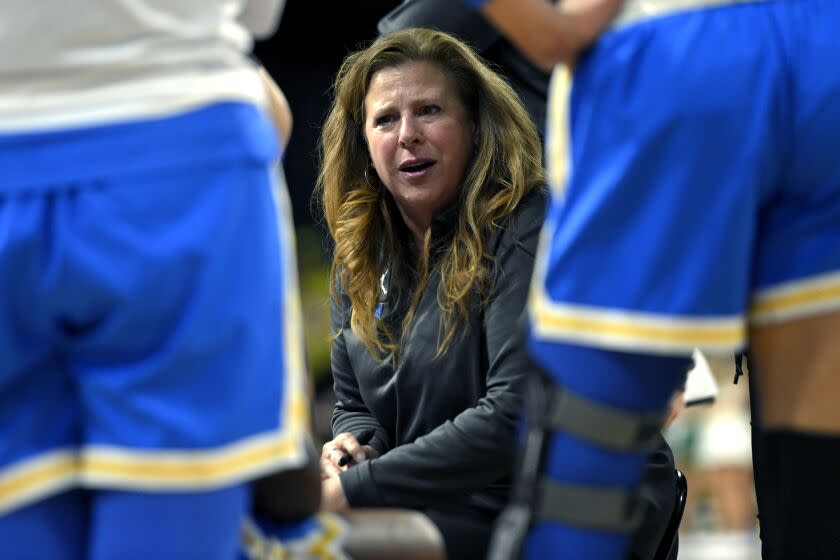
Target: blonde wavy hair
x=360, y=211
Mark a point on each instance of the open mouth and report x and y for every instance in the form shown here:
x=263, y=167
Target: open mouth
x=416, y=167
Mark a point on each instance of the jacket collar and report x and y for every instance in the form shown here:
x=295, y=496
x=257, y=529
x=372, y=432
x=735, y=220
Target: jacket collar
x=444, y=224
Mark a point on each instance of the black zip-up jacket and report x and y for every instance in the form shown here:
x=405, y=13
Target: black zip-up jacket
x=445, y=427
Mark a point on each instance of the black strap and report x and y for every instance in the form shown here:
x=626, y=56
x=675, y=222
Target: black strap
x=535, y=498
x=601, y=424
x=509, y=532
x=600, y=508
x=739, y=370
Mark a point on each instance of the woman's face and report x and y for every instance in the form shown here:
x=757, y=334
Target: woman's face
x=419, y=136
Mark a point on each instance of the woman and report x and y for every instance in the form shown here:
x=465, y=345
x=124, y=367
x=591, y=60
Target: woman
x=431, y=187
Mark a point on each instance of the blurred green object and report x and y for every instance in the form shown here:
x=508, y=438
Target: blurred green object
x=314, y=270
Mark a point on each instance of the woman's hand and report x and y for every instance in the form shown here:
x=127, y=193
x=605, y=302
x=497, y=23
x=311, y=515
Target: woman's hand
x=335, y=449
x=588, y=19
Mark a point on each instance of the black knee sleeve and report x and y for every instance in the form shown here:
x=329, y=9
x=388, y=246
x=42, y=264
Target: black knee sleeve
x=805, y=498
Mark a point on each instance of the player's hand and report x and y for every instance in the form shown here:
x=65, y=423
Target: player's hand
x=588, y=18
x=343, y=443
x=551, y=34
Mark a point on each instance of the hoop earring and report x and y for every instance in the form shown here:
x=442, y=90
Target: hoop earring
x=367, y=179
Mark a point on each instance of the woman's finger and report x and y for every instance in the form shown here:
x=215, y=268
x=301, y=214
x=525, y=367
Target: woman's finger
x=331, y=452
x=337, y=443
x=350, y=444
x=329, y=468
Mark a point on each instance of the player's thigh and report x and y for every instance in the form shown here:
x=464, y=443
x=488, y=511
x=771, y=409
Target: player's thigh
x=796, y=364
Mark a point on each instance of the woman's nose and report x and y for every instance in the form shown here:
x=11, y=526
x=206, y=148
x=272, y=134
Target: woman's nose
x=409, y=132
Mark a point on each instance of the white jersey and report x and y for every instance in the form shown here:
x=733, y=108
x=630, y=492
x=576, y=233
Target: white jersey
x=69, y=63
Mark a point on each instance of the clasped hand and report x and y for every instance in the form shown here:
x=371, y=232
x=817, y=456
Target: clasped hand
x=332, y=493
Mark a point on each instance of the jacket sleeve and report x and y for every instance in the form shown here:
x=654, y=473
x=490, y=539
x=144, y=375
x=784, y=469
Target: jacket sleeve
x=350, y=413
x=455, y=18
x=477, y=447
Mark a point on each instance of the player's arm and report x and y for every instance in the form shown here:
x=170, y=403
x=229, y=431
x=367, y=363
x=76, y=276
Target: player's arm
x=261, y=17
x=546, y=33
x=278, y=107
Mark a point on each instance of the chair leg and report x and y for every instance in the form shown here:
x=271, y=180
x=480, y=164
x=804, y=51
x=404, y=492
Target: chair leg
x=668, y=545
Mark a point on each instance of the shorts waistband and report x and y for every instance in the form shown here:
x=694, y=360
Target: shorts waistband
x=218, y=132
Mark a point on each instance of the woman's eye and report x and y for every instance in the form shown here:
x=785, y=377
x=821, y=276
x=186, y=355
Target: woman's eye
x=383, y=120
x=430, y=110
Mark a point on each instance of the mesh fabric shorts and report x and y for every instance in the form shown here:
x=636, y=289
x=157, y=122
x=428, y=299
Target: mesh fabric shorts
x=696, y=178
x=149, y=320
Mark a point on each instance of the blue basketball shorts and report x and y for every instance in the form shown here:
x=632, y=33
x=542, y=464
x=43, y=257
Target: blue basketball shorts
x=693, y=160
x=150, y=329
